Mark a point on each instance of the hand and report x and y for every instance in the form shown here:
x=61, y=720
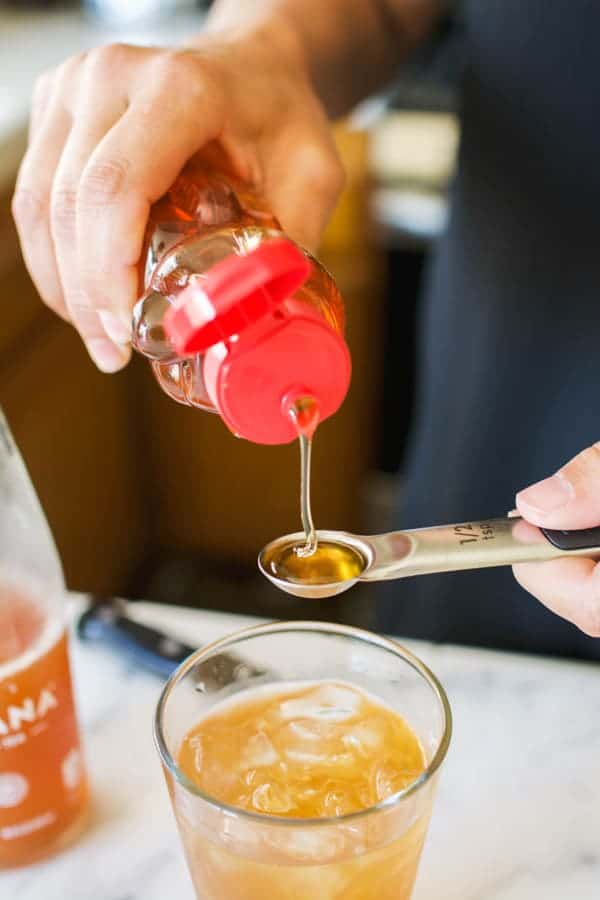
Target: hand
x=570, y=499
x=110, y=131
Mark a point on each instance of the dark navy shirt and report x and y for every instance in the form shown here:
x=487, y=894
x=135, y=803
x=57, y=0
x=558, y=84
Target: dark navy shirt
x=509, y=380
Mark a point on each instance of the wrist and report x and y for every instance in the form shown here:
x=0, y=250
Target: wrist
x=260, y=27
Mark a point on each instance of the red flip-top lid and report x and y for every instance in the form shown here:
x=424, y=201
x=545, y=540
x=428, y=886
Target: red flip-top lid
x=234, y=293
x=255, y=385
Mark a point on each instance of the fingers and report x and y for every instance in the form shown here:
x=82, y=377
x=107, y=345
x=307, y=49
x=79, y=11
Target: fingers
x=96, y=162
x=569, y=587
x=568, y=499
x=31, y=202
x=40, y=101
x=131, y=167
x=303, y=180
x=108, y=346
x=111, y=130
x=108, y=350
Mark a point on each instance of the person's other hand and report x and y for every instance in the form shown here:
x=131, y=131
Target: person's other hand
x=110, y=131
x=570, y=499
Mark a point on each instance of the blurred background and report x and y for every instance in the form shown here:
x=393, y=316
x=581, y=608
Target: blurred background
x=150, y=499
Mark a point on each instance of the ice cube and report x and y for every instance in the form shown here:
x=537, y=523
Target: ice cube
x=365, y=737
x=387, y=781
x=259, y=751
x=196, y=745
x=305, y=740
x=272, y=798
x=338, y=802
x=299, y=708
x=304, y=731
x=313, y=845
x=331, y=702
x=306, y=757
x=340, y=697
x=250, y=777
x=236, y=830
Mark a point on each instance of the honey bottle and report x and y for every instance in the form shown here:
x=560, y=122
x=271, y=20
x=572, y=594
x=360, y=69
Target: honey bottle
x=236, y=318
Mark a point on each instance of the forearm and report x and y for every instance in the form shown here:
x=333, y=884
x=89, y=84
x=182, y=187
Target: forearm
x=350, y=48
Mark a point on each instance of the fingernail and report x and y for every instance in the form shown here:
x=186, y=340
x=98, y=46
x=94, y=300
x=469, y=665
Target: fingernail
x=117, y=327
x=513, y=514
x=549, y=494
x=107, y=356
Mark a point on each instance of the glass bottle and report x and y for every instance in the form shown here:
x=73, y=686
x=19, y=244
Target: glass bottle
x=43, y=788
x=236, y=318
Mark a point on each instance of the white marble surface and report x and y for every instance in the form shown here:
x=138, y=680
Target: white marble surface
x=518, y=811
x=32, y=42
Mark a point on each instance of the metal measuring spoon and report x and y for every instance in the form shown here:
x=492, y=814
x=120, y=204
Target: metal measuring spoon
x=443, y=548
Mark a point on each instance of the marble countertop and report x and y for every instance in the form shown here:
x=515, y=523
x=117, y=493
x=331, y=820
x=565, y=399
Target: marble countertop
x=34, y=41
x=517, y=814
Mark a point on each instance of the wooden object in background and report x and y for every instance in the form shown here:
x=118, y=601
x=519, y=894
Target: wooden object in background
x=74, y=429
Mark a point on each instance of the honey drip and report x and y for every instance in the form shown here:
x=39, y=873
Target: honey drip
x=305, y=414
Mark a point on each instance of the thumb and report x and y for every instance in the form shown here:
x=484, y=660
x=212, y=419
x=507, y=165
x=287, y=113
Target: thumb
x=568, y=499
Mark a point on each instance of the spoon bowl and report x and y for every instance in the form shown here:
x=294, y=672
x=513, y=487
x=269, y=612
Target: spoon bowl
x=315, y=589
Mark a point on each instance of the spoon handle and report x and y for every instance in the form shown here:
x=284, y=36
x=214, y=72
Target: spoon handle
x=473, y=545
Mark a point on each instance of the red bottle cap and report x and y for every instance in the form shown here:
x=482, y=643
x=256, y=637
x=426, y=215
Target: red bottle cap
x=254, y=380
x=233, y=294
x=256, y=384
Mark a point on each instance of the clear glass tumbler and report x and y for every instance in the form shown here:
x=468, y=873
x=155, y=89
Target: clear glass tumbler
x=368, y=855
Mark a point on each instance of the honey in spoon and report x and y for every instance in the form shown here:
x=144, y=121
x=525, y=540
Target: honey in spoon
x=330, y=563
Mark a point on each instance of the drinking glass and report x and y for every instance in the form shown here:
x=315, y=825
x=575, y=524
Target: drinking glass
x=368, y=855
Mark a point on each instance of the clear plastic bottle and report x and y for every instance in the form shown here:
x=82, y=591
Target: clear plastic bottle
x=43, y=788
x=236, y=318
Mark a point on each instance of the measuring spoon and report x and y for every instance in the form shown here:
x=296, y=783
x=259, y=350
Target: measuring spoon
x=443, y=548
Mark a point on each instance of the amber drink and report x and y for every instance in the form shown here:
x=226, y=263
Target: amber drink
x=43, y=788
x=301, y=759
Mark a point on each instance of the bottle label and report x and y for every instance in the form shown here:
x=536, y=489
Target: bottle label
x=42, y=782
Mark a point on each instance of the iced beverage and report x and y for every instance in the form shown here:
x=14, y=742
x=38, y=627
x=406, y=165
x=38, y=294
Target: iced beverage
x=287, y=786
x=43, y=792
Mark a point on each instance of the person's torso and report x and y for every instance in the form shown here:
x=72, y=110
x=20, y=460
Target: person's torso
x=510, y=328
